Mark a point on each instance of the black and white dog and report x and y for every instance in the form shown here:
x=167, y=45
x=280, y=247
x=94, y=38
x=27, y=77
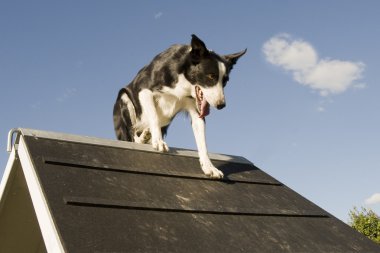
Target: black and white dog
x=182, y=78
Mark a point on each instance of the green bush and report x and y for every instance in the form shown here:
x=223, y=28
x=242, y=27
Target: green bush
x=366, y=222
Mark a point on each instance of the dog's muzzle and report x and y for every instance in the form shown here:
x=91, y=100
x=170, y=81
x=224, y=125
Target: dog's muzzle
x=221, y=106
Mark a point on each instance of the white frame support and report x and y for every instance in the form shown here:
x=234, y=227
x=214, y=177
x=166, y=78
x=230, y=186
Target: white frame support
x=48, y=229
x=10, y=138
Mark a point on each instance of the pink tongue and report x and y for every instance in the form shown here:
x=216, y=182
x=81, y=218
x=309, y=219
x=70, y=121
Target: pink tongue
x=205, y=109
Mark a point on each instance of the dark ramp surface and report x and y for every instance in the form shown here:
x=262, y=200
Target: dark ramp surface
x=112, y=199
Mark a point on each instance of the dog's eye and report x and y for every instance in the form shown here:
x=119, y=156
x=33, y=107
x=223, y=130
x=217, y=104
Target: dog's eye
x=212, y=77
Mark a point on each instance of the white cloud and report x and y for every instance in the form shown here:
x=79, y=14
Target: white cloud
x=327, y=76
x=323, y=103
x=321, y=108
x=36, y=105
x=68, y=93
x=158, y=15
x=374, y=199
x=291, y=55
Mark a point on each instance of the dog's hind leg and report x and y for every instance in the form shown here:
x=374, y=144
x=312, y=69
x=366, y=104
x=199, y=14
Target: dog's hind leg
x=122, y=121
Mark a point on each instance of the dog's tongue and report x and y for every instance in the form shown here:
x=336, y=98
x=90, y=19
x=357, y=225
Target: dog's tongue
x=202, y=104
x=205, y=109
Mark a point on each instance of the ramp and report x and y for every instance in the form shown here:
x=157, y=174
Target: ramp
x=84, y=194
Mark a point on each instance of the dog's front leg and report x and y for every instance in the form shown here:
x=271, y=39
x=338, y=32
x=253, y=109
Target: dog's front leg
x=150, y=114
x=199, y=128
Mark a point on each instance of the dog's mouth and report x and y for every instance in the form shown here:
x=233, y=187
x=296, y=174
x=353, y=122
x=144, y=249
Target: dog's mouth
x=202, y=105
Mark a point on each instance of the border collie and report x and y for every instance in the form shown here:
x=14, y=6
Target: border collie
x=186, y=78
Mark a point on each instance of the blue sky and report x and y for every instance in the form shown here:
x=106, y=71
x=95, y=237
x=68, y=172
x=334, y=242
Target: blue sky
x=302, y=104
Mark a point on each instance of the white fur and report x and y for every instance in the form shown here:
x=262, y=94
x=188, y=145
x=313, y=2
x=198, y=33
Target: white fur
x=199, y=129
x=159, y=107
x=163, y=104
x=150, y=119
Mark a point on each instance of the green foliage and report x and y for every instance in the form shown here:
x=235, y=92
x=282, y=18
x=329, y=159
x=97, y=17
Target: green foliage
x=366, y=222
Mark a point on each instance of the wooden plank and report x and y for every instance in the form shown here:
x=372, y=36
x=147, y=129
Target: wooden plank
x=106, y=199
x=124, y=159
x=174, y=193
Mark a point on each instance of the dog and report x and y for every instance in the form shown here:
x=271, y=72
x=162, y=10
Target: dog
x=186, y=78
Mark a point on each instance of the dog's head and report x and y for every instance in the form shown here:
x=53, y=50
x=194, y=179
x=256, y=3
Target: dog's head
x=210, y=73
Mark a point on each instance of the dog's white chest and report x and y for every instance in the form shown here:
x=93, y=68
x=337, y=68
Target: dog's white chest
x=170, y=100
x=165, y=103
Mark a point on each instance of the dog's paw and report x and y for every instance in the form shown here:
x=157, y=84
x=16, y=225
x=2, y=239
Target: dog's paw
x=144, y=137
x=211, y=171
x=160, y=145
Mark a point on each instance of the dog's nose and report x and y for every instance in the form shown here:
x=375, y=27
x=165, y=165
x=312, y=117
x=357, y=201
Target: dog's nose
x=221, y=106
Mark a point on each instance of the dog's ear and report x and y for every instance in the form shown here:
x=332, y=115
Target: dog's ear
x=232, y=58
x=198, y=49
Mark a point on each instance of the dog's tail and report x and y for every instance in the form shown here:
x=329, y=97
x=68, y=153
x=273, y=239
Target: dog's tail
x=122, y=118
